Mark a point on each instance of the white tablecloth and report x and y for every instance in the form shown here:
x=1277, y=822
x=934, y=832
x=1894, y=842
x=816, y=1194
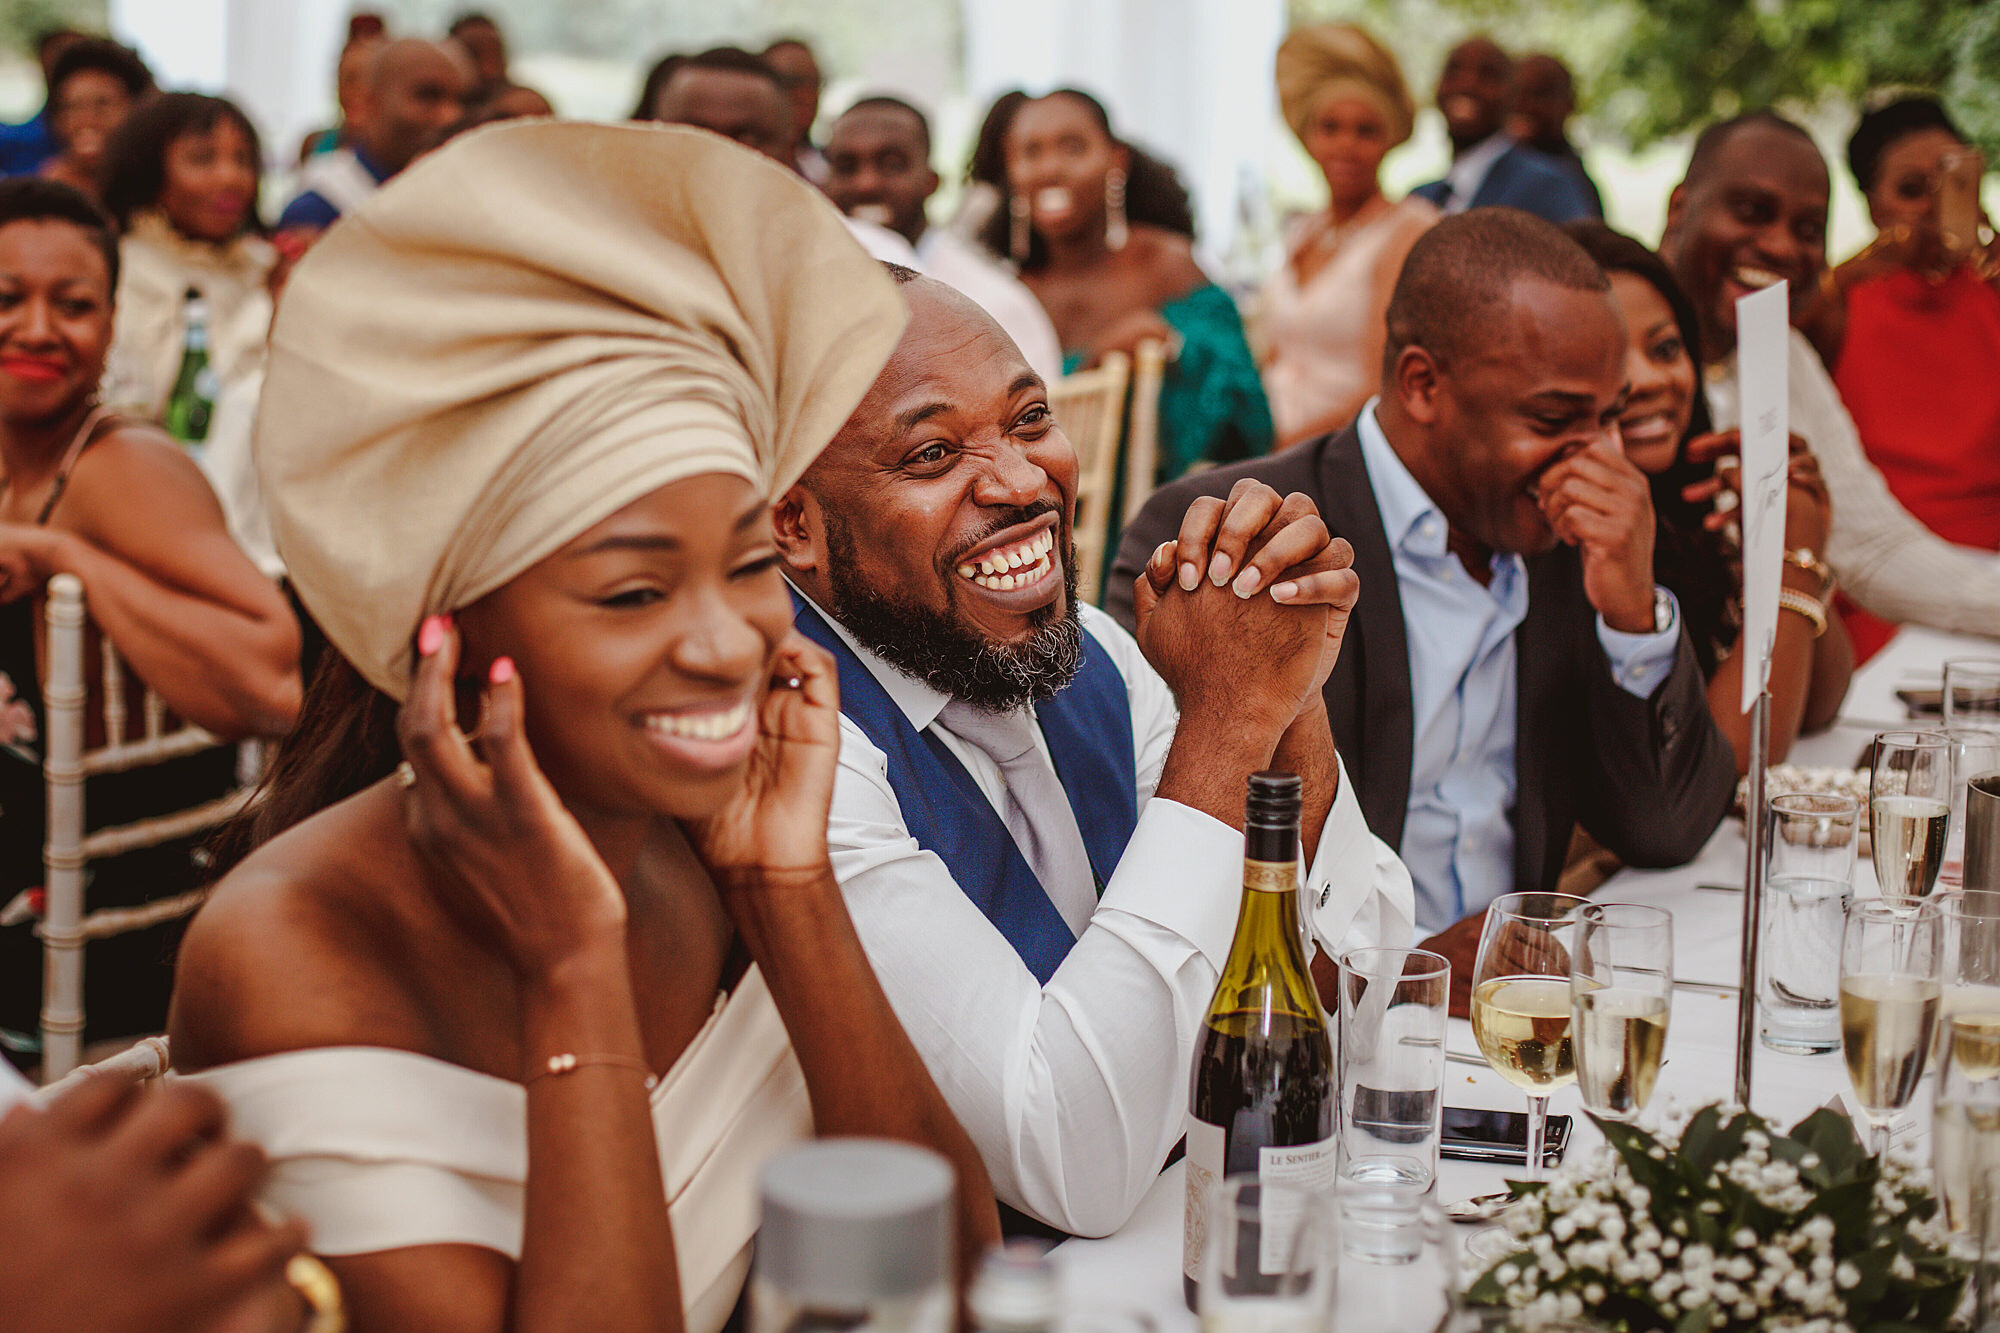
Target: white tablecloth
x=1138, y=1270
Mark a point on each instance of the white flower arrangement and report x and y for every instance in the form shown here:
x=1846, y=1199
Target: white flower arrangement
x=1725, y=1224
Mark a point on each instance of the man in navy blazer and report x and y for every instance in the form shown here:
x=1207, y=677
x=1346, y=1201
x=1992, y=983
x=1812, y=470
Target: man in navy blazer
x=1488, y=165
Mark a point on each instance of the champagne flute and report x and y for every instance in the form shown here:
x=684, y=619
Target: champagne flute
x=1890, y=959
x=1965, y=1142
x=1909, y=808
x=1520, y=1000
x=1621, y=986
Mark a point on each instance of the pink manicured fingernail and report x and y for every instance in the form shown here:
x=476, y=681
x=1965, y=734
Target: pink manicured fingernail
x=1218, y=569
x=1246, y=582
x=430, y=635
x=1284, y=592
x=1190, y=576
x=503, y=670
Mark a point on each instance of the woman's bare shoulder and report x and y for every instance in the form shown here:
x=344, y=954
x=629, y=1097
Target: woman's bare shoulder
x=305, y=944
x=1169, y=257
x=135, y=469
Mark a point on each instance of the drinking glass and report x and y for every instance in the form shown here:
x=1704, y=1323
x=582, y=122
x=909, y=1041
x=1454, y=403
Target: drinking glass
x=1975, y=753
x=1965, y=1143
x=1808, y=875
x=1621, y=987
x=1909, y=805
x=1972, y=692
x=1270, y=1260
x=1394, y=1007
x=1520, y=1000
x=1398, y=1262
x=1890, y=961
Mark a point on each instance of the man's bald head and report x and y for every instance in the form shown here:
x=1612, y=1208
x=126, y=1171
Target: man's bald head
x=414, y=91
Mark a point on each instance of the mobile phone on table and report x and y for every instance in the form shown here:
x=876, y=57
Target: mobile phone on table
x=1499, y=1136
x=1958, y=201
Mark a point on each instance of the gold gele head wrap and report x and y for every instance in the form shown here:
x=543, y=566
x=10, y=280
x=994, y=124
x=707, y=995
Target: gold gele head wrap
x=1326, y=58
x=531, y=328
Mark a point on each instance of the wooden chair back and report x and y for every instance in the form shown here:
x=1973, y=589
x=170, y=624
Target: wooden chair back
x=1142, y=432
x=1090, y=408
x=66, y=927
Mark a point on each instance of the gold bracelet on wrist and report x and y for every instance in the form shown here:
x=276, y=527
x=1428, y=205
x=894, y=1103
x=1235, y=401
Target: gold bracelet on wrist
x=320, y=1290
x=569, y=1063
x=1804, y=557
x=1791, y=599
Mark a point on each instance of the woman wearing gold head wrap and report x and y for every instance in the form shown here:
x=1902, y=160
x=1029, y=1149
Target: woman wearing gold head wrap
x=523, y=412
x=1322, y=313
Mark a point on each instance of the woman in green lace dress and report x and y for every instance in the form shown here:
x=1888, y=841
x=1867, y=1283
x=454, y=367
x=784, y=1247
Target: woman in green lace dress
x=1101, y=233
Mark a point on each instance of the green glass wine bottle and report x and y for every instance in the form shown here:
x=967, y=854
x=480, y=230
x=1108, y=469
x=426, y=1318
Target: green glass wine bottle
x=192, y=402
x=1262, y=1096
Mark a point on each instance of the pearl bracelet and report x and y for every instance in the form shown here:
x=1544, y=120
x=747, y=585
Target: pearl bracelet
x=569, y=1062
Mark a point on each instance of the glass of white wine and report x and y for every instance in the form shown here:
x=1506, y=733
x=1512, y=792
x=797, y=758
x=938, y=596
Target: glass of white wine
x=1520, y=1000
x=1909, y=810
x=1965, y=1144
x=1890, y=963
x=1621, y=987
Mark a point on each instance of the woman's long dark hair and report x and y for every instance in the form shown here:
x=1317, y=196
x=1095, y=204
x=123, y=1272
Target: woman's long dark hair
x=345, y=740
x=1154, y=195
x=135, y=159
x=1688, y=560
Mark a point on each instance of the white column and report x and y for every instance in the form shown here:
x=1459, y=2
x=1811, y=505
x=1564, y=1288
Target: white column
x=275, y=58
x=1187, y=79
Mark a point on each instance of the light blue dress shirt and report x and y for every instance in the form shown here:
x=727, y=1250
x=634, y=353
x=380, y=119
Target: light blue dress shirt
x=1458, y=837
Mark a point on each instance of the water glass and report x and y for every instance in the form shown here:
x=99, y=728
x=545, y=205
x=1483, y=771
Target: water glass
x=1972, y=692
x=1271, y=1259
x=1890, y=964
x=1975, y=753
x=1621, y=988
x=1909, y=807
x=1398, y=1263
x=1394, y=1006
x=1809, y=871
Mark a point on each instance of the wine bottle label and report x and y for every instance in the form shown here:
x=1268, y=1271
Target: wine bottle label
x=1271, y=876
x=1309, y=1170
x=1206, y=1144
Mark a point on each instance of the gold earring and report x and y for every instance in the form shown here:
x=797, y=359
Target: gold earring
x=1116, y=232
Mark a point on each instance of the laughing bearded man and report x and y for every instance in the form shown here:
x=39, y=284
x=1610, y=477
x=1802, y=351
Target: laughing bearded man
x=1037, y=816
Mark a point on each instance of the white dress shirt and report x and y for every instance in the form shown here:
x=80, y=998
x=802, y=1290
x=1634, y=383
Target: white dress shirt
x=1469, y=169
x=1074, y=1092
x=1885, y=559
x=1458, y=837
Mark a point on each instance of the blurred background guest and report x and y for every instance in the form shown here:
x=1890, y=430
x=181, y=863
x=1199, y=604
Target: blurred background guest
x=115, y=502
x=479, y=37
x=93, y=84
x=414, y=90
x=879, y=171
x=1544, y=100
x=364, y=42
x=730, y=92
x=182, y=176
x=1666, y=433
x=1911, y=325
x=798, y=73
x=656, y=79
x=1322, y=312
x=1103, y=235
x=26, y=146
x=1751, y=211
x=1475, y=93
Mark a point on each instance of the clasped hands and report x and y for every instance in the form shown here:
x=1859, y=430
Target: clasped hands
x=1244, y=612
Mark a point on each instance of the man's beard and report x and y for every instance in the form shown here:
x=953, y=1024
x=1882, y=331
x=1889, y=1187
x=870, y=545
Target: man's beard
x=937, y=649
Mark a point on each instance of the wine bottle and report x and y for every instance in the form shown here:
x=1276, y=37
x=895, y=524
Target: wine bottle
x=192, y=401
x=1262, y=1096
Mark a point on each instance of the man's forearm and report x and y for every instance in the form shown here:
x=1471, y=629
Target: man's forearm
x=1209, y=762
x=1307, y=749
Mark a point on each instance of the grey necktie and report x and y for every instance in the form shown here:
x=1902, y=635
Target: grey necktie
x=1036, y=811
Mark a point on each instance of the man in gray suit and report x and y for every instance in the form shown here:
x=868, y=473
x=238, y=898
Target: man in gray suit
x=1511, y=670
